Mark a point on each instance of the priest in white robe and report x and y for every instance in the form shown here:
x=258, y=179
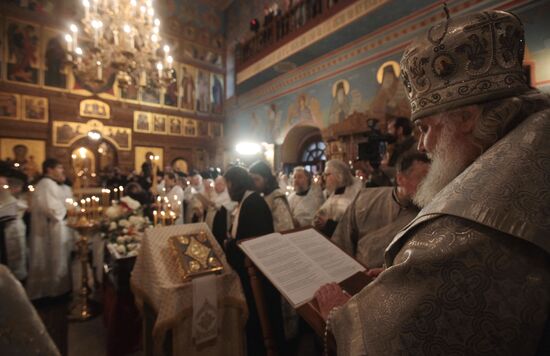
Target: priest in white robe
x=50, y=238
x=306, y=198
x=175, y=195
x=342, y=188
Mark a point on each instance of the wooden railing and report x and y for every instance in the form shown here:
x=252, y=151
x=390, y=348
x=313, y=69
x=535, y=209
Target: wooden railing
x=279, y=29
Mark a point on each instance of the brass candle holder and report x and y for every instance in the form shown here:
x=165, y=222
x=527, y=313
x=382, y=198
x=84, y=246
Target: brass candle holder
x=83, y=308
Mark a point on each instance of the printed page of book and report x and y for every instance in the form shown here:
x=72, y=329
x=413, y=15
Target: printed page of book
x=335, y=262
x=295, y=275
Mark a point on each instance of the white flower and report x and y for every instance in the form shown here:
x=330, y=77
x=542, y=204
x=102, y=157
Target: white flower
x=131, y=203
x=112, y=226
x=121, y=249
x=125, y=231
x=136, y=220
x=123, y=223
x=120, y=240
x=132, y=246
x=113, y=212
x=132, y=253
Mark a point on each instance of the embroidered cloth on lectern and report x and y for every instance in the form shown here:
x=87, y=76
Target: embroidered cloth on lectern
x=157, y=280
x=205, y=309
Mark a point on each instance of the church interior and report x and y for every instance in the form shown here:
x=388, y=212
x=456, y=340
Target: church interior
x=142, y=140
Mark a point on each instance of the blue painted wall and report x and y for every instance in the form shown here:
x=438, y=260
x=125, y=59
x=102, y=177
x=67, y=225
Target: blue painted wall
x=304, y=96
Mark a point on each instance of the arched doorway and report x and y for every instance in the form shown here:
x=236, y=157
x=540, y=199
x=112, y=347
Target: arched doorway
x=303, y=146
x=92, y=160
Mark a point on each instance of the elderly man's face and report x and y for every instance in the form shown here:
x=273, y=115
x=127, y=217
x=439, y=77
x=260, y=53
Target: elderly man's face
x=446, y=138
x=300, y=182
x=430, y=129
x=196, y=180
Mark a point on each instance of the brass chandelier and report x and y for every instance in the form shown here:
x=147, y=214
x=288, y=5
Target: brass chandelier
x=119, y=40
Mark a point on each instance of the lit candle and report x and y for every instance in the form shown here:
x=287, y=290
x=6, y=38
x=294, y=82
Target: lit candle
x=86, y=4
x=69, y=41
x=172, y=218
x=115, y=37
x=143, y=79
x=115, y=193
x=79, y=54
x=99, y=71
x=163, y=217
x=121, y=190
x=170, y=61
x=155, y=218
x=74, y=30
x=159, y=69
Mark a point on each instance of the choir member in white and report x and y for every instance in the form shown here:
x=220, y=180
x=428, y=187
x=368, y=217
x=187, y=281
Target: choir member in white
x=13, y=231
x=306, y=199
x=175, y=195
x=50, y=239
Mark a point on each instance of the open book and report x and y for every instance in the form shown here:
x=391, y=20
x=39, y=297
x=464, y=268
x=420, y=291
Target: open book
x=299, y=263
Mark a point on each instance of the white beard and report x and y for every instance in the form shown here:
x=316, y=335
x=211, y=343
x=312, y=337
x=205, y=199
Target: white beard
x=449, y=159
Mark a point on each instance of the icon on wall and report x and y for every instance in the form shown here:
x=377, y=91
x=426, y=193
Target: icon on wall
x=142, y=121
x=95, y=108
x=159, y=124
x=9, y=106
x=23, y=43
x=174, y=126
x=35, y=109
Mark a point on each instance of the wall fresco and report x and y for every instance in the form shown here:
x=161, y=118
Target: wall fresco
x=363, y=77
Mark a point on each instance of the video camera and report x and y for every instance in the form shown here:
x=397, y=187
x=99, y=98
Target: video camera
x=374, y=148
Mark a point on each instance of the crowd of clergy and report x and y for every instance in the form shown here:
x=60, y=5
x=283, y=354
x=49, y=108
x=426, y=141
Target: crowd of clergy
x=456, y=241
x=36, y=243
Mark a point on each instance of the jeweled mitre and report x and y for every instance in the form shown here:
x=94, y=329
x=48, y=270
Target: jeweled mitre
x=464, y=60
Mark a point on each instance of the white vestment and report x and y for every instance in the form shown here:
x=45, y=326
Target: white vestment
x=336, y=204
x=303, y=207
x=50, y=242
x=193, y=204
x=176, y=196
x=220, y=200
x=14, y=234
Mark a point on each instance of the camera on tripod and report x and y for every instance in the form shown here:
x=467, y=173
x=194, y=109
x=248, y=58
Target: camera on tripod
x=375, y=146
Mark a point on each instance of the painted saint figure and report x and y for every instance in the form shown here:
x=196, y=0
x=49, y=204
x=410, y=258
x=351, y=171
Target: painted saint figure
x=23, y=44
x=187, y=90
x=340, y=107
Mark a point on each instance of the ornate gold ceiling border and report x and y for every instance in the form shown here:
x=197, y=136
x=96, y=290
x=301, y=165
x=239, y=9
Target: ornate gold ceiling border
x=340, y=20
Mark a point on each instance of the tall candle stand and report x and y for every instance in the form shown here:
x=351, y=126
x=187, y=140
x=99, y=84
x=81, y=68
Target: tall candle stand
x=86, y=225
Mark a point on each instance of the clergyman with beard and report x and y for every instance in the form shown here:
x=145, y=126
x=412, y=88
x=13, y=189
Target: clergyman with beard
x=470, y=274
x=306, y=198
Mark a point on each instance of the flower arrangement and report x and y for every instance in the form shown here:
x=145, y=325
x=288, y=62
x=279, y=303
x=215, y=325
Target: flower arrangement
x=123, y=227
